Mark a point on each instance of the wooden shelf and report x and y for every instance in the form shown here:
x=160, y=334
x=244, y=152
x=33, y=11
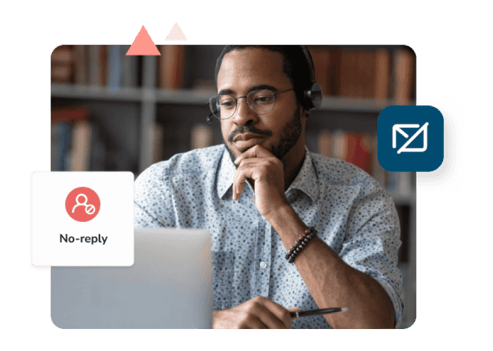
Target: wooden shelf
x=200, y=97
x=356, y=105
x=72, y=91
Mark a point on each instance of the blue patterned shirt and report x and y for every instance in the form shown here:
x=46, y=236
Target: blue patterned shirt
x=349, y=209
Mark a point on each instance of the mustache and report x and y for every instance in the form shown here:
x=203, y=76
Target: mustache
x=247, y=129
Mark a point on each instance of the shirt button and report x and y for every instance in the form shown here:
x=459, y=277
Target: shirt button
x=263, y=264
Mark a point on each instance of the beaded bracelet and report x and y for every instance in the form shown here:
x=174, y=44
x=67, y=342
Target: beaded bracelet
x=300, y=244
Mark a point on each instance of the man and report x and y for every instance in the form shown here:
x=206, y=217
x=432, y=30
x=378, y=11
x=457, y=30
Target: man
x=260, y=191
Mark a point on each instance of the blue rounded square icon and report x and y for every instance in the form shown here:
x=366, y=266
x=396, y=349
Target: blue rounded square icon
x=410, y=138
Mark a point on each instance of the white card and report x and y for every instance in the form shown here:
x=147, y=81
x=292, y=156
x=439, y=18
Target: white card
x=82, y=219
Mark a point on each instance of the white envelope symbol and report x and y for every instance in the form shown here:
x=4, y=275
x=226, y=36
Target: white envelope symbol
x=404, y=148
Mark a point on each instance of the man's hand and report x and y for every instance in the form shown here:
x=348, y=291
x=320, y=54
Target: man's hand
x=267, y=173
x=257, y=313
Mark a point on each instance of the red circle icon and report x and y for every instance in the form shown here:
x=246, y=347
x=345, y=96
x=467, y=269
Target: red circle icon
x=82, y=204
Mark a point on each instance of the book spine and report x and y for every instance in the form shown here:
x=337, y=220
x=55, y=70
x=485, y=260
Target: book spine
x=80, y=53
x=62, y=65
x=350, y=72
x=325, y=143
x=156, y=140
x=378, y=172
x=392, y=182
x=403, y=77
x=201, y=136
x=103, y=65
x=382, y=75
x=81, y=147
x=98, y=149
x=94, y=65
x=359, y=153
x=54, y=144
x=171, y=66
x=360, y=74
x=404, y=184
x=69, y=114
x=114, y=68
x=370, y=74
x=340, y=145
x=63, y=146
x=129, y=68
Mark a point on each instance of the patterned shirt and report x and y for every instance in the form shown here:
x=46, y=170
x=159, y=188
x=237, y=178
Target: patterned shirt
x=349, y=209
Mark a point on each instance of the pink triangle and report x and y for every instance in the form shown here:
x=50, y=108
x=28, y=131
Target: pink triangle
x=143, y=45
x=176, y=33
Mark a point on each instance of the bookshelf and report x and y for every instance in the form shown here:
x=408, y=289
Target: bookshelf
x=133, y=118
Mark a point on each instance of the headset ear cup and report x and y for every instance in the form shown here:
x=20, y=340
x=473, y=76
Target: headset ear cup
x=313, y=96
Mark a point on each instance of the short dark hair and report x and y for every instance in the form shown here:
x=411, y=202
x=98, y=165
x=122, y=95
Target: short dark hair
x=295, y=65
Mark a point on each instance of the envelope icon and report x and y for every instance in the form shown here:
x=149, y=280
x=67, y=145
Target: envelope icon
x=404, y=148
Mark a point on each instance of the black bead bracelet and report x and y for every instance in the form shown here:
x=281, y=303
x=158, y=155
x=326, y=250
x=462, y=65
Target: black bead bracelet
x=300, y=244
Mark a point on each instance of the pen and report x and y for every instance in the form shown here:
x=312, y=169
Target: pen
x=317, y=312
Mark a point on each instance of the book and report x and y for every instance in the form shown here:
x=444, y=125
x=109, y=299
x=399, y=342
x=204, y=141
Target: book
x=80, y=64
x=114, y=68
x=201, y=136
x=392, y=182
x=403, y=76
x=97, y=65
x=404, y=184
x=94, y=65
x=156, y=142
x=81, y=146
x=98, y=149
x=340, y=145
x=69, y=114
x=103, y=65
x=171, y=66
x=62, y=121
x=62, y=145
x=359, y=151
x=62, y=66
x=129, y=68
x=400, y=184
x=325, y=143
x=382, y=74
x=54, y=145
x=361, y=70
x=348, y=75
x=369, y=83
x=378, y=172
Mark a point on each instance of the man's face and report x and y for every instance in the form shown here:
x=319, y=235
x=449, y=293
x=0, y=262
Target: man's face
x=277, y=131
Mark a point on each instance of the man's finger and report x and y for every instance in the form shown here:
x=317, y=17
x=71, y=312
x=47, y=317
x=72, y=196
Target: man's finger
x=239, y=179
x=256, y=151
x=271, y=320
x=280, y=312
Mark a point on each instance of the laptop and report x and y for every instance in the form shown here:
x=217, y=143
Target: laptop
x=169, y=286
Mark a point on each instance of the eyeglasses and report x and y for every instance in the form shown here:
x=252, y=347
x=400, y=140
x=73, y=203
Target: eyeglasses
x=260, y=101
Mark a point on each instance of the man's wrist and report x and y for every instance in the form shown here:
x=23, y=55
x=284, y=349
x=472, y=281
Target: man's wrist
x=284, y=216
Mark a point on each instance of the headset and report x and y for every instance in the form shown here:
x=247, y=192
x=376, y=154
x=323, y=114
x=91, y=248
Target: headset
x=313, y=95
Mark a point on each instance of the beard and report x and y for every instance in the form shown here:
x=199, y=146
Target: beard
x=289, y=136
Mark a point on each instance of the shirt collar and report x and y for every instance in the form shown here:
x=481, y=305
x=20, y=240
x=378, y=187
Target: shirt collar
x=306, y=180
x=226, y=172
